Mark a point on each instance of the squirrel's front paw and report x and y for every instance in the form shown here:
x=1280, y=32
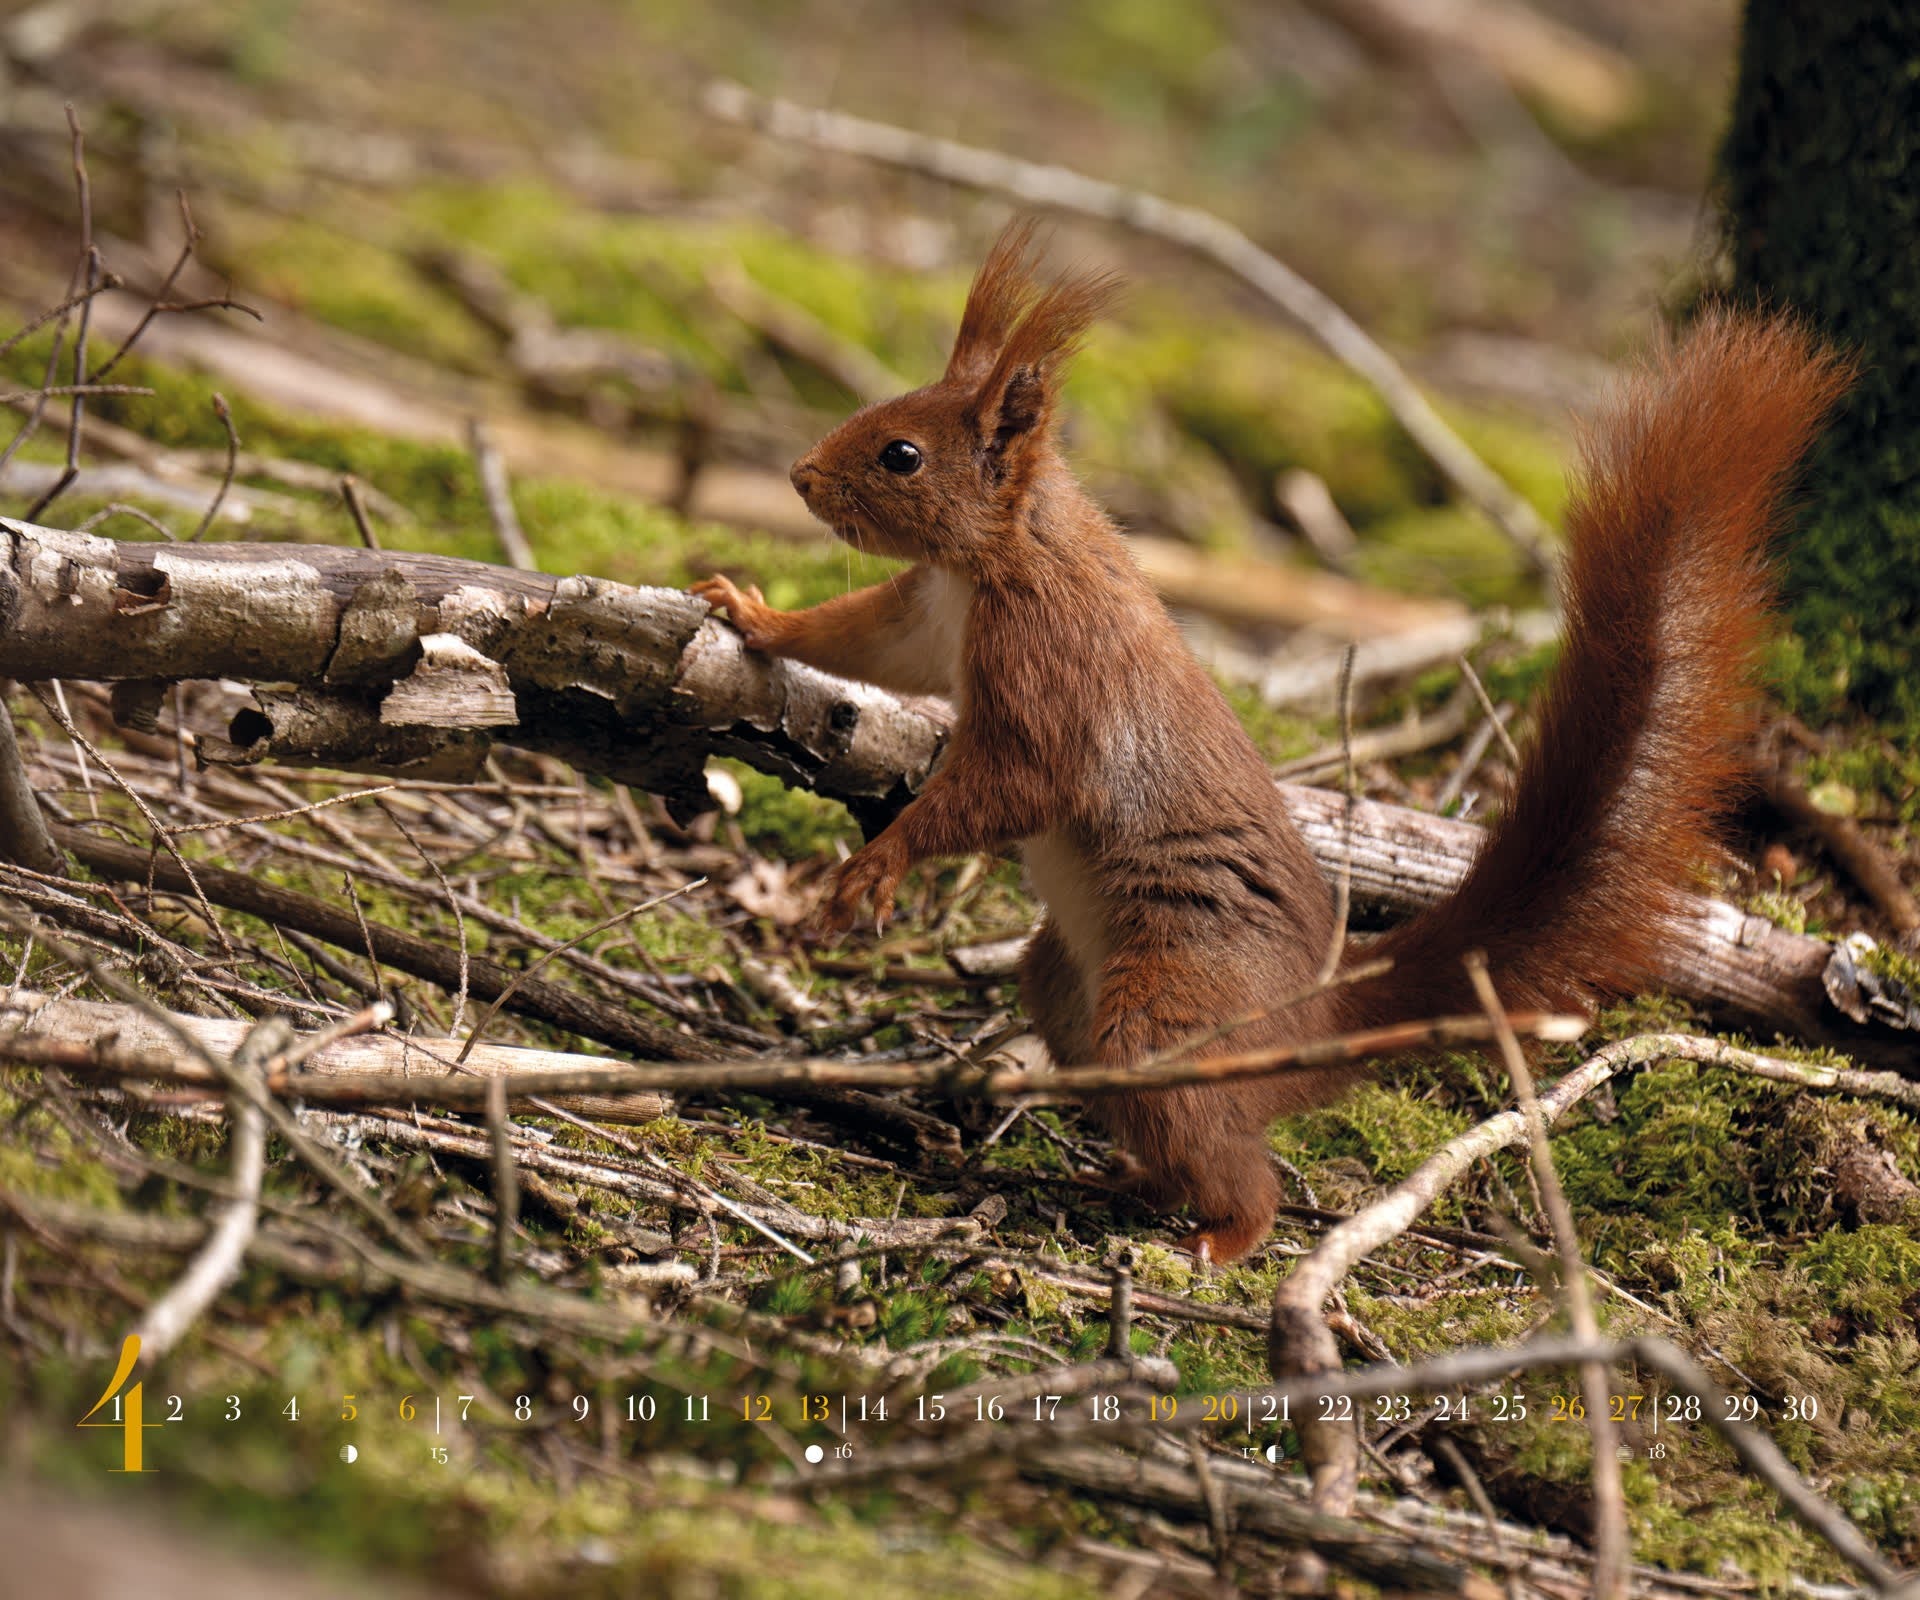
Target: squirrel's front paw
x=757, y=622
x=871, y=873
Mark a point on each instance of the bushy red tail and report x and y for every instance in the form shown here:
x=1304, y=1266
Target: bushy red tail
x=1637, y=749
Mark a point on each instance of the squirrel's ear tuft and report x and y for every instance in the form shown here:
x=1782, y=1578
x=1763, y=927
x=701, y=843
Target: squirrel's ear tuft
x=1016, y=397
x=1002, y=289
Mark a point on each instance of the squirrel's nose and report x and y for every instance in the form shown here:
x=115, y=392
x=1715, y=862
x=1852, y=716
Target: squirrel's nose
x=803, y=476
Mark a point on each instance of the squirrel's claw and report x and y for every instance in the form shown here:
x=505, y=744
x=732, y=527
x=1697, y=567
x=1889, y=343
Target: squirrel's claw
x=746, y=608
x=871, y=873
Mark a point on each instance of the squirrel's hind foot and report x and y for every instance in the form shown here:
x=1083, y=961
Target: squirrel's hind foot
x=1221, y=1242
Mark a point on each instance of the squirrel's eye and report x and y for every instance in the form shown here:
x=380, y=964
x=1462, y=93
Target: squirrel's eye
x=901, y=457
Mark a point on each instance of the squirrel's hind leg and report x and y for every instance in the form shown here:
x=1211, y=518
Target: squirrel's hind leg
x=1199, y=1145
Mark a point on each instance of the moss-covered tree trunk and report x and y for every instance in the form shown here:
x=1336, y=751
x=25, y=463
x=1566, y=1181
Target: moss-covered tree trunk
x=1822, y=179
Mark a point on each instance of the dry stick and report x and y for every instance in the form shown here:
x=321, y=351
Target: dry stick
x=1187, y=226
x=89, y=273
x=506, y=1186
x=1380, y=744
x=350, y=492
x=950, y=1077
x=1612, y=1547
x=76, y=388
x=1343, y=885
x=520, y=978
x=225, y=413
x=190, y=236
x=577, y=1012
x=220, y=1258
x=291, y=812
x=1469, y=763
x=1206, y=1036
x=161, y=306
x=796, y=330
x=58, y=711
x=119, y=508
x=492, y=468
x=31, y=426
x=24, y=839
x=1299, y=1341
x=366, y=936
x=282, y=1120
x=40, y=319
x=1493, y=716
x=107, y=1043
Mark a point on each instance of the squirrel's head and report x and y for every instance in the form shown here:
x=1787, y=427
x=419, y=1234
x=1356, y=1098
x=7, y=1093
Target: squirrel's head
x=944, y=473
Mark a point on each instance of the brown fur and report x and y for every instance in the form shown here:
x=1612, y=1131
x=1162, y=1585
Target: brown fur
x=1179, y=894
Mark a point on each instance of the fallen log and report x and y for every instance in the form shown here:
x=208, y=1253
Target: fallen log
x=642, y=686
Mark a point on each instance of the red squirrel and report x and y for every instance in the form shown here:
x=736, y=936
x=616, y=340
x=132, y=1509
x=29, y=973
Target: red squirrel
x=1179, y=895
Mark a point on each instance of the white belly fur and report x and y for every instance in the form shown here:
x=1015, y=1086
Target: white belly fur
x=944, y=598
x=1062, y=878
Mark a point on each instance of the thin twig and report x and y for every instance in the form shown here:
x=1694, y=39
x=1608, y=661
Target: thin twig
x=40, y=319
x=76, y=388
x=946, y=1076
x=1486, y=705
x=350, y=492
x=459, y=917
x=118, y=508
x=1612, y=1547
x=492, y=468
x=221, y=1256
x=534, y=967
x=162, y=839
x=225, y=414
x=1343, y=885
x=287, y=815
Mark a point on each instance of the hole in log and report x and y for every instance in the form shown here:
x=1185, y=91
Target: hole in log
x=141, y=590
x=249, y=727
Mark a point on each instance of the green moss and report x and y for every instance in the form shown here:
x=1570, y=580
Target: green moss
x=1872, y=1274
x=1449, y=551
x=1740, y=1530
x=330, y=275
x=44, y=1159
x=1383, y=1125
x=794, y=824
x=1779, y=908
